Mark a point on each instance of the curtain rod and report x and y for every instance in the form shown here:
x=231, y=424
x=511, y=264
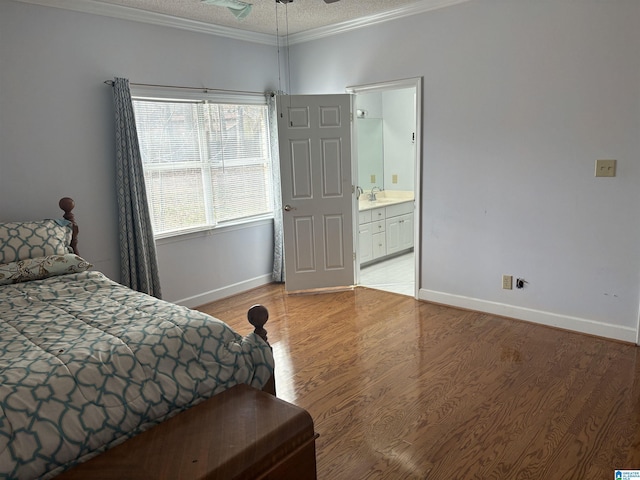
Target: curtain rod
x=201, y=89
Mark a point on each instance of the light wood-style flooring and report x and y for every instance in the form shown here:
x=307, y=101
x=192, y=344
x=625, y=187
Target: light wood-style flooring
x=404, y=389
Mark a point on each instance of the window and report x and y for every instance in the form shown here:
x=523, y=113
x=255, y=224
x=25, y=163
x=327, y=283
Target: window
x=206, y=163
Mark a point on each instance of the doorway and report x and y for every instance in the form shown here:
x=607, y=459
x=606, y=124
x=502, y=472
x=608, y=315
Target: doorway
x=387, y=136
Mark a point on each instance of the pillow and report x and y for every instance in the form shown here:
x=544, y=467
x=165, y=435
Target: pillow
x=20, y=240
x=42, y=267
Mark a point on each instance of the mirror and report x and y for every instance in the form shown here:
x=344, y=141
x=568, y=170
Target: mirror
x=370, y=153
x=385, y=136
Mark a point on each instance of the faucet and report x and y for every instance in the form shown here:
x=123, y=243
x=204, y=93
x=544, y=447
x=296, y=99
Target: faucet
x=372, y=194
x=359, y=191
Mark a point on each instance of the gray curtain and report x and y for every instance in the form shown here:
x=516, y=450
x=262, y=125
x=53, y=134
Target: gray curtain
x=278, y=242
x=139, y=265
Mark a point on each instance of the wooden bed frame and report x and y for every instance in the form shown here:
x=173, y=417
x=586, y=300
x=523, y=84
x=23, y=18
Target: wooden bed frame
x=241, y=433
x=67, y=205
x=257, y=314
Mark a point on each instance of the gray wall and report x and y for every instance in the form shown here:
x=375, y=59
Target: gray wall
x=520, y=99
x=57, y=135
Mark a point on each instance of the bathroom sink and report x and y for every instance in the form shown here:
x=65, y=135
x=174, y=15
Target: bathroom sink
x=384, y=199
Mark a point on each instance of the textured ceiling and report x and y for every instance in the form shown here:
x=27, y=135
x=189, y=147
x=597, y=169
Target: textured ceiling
x=269, y=17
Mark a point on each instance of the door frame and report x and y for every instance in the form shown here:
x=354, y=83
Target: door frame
x=415, y=82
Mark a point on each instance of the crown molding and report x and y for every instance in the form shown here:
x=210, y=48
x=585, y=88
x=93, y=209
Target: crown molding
x=413, y=9
x=137, y=15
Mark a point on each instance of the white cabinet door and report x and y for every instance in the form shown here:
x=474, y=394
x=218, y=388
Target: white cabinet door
x=379, y=245
x=366, y=247
x=393, y=235
x=399, y=233
x=406, y=231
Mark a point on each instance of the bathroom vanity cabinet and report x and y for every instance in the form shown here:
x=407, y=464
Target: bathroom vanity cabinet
x=385, y=231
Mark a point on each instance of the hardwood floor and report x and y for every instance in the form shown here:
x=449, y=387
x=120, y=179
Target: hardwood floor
x=403, y=389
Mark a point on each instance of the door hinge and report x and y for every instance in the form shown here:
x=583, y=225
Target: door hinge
x=354, y=256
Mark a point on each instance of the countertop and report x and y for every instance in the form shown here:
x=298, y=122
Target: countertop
x=384, y=199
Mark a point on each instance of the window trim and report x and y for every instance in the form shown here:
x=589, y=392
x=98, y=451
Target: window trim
x=159, y=93
x=191, y=95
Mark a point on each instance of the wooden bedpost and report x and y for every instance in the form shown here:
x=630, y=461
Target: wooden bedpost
x=67, y=204
x=258, y=316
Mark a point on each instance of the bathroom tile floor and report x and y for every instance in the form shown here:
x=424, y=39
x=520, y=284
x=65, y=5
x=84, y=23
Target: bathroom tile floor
x=394, y=275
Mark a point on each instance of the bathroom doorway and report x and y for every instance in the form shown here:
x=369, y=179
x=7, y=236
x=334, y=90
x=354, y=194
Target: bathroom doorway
x=387, y=133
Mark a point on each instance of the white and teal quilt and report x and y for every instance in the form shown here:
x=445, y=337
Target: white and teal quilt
x=86, y=363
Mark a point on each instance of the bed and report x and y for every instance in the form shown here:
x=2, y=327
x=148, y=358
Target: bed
x=86, y=363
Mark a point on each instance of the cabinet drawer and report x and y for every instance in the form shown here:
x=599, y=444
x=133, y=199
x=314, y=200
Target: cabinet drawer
x=378, y=226
x=399, y=209
x=377, y=214
x=364, y=217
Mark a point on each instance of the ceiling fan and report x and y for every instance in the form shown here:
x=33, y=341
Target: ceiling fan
x=241, y=9
x=291, y=1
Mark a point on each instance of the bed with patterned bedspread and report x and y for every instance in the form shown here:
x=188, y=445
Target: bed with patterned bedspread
x=86, y=363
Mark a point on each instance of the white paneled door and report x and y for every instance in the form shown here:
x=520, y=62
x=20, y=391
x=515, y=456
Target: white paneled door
x=315, y=165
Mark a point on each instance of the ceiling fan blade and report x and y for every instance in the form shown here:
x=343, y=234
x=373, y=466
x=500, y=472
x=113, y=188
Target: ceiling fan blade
x=331, y=1
x=239, y=8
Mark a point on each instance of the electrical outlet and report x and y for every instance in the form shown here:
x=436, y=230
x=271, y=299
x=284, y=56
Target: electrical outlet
x=373, y=179
x=394, y=178
x=507, y=282
x=605, y=168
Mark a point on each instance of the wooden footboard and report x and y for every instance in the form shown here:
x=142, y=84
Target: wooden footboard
x=239, y=434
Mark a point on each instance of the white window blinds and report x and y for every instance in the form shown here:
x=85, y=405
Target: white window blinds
x=205, y=163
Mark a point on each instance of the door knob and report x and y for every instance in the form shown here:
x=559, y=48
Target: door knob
x=288, y=208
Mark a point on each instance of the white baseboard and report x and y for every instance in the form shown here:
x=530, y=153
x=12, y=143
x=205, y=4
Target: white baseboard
x=576, y=324
x=226, y=291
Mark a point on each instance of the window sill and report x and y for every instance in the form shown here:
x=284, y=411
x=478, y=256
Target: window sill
x=208, y=231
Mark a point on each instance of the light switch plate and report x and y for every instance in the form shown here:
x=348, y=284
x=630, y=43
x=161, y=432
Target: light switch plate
x=605, y=168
